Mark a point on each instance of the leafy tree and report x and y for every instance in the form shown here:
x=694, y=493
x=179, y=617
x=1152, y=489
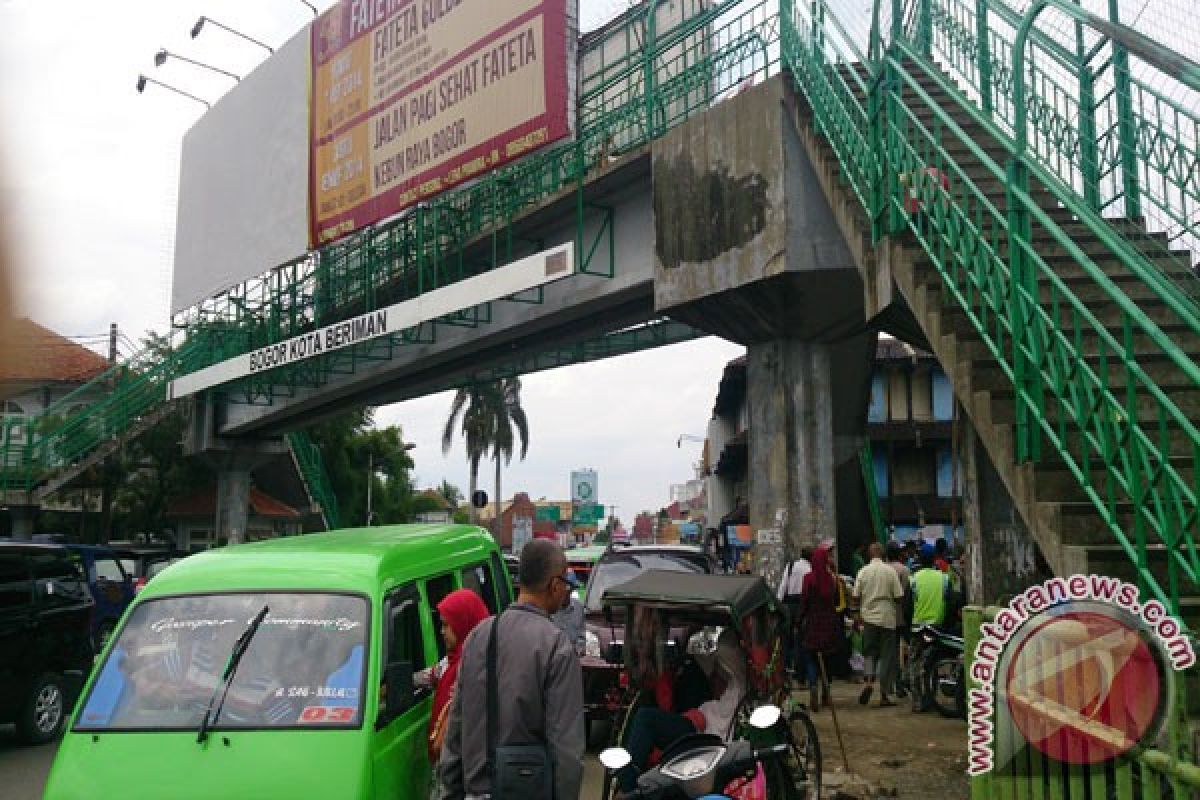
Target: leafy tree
x=452, y=494
x=354, y=453
x=490, y=418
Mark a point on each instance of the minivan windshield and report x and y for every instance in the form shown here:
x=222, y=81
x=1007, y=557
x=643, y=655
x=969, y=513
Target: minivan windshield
x=615, y=569
x=303, y=669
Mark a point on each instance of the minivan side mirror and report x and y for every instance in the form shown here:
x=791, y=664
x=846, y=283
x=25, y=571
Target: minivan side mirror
x=398, y=684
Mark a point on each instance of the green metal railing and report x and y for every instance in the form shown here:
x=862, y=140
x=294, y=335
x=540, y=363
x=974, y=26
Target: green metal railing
x=866, y=462
x=1064, y=252
x=1095, y=347
x=1149, y=774
x=312, y=468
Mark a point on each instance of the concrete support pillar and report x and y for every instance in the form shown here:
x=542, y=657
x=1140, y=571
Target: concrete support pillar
x=791, y=449
x=23, y=518
x=1002, y=558
x=233, y=497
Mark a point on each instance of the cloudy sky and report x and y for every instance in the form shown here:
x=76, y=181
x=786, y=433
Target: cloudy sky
x=88, y=184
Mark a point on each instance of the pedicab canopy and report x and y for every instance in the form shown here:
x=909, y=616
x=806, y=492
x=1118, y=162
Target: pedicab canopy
x=738, y=595
x=744, y=600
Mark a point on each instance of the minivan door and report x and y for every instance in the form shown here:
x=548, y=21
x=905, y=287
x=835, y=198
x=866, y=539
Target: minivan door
x=401, y=762
x=17, y=629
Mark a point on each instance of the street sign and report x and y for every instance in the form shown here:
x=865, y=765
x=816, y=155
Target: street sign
x=588, y=514
x=547, y=514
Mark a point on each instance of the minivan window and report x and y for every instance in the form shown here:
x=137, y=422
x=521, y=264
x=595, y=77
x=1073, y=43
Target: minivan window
x=303, y=668
x=436, y=590
x=407, y=644
x=479, y=580
x=15, y=588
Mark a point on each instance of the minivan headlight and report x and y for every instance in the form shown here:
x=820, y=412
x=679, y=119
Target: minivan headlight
x=591, y=645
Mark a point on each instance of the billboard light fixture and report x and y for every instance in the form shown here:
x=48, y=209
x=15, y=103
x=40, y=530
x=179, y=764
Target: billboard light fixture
x=199, y=26
x=143, y=80
x=162, y=55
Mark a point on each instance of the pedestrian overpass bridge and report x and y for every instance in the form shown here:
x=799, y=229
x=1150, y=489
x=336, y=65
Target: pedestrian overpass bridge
x=1013, y=185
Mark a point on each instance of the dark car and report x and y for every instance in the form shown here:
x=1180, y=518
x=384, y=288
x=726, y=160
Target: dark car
x=602, y=662
x=111, y=586
x=45, y=637
x=143, y=562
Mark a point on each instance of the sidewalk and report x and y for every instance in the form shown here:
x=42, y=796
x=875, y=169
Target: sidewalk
x=893, y=752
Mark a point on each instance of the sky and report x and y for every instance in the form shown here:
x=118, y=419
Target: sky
x=88, y=186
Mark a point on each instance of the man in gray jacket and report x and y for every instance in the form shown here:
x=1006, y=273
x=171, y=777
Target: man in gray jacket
x=538, y=681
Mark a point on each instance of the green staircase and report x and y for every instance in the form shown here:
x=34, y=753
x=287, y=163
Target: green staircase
x=1027, y=178
x=307, y=457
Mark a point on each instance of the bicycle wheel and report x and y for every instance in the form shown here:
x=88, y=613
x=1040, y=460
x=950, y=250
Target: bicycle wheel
x=805, y=755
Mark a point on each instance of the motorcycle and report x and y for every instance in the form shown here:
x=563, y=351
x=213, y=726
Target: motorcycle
x=936, y=672
x=702, y=766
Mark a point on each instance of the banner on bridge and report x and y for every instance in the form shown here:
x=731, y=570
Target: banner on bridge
x=527, y=273
x=411, y=97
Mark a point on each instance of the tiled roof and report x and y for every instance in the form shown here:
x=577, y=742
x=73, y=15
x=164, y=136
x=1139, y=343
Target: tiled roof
x=203, y=503
x=33, y=353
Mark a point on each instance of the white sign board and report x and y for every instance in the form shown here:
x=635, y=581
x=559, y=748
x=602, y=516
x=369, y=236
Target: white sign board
x=522, y=533
x=584, y=488
x=769, y=536
x=527, y=273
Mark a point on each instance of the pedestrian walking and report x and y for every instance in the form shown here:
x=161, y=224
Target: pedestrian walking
x=930, y=590
x=819, y=620
x=570, y=618
x=878, y=590
x=531, y=744
x=790, y=590
x=895, y=560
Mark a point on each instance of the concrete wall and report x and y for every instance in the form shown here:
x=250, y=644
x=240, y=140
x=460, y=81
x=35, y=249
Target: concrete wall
x=719, y=208
x=1001, y=555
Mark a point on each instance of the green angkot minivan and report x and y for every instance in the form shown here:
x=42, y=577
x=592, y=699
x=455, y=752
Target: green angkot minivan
x=279, y=669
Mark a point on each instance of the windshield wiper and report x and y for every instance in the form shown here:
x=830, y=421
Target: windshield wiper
x=235, y=657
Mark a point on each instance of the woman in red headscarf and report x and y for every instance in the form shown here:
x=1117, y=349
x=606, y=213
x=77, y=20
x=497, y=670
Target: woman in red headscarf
x=819, y=618
x=461, y=611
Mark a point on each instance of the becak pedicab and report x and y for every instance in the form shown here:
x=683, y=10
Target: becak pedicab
x=704, y=665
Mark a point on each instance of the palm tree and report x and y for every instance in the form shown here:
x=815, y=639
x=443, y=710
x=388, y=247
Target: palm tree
x=491, y=419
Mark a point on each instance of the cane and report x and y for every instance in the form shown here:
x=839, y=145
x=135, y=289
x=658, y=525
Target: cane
x=833, y=709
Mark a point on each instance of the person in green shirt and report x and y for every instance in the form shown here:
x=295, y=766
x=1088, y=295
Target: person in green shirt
x=930, y=592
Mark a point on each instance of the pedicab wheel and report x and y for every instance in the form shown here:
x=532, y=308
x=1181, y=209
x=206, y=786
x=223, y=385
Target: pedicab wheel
x=806, y=756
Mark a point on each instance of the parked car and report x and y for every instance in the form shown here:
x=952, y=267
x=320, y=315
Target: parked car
x=602, y=661
x=583, y=559
x=45, y=637
x=329, y=631
x=144, y=561
x=111, y=587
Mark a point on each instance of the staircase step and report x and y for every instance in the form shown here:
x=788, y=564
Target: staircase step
x=1054, y=480
x=1078, y=522
x=1112, y=560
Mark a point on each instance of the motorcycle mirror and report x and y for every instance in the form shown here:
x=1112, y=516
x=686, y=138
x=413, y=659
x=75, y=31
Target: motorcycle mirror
x=615, y=758
x=765, y=717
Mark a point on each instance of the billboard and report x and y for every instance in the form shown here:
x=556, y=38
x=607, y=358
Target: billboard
x=411, y=97
x=243, y=180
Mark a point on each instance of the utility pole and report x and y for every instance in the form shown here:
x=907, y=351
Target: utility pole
x=370, y=483
x=106, y=489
